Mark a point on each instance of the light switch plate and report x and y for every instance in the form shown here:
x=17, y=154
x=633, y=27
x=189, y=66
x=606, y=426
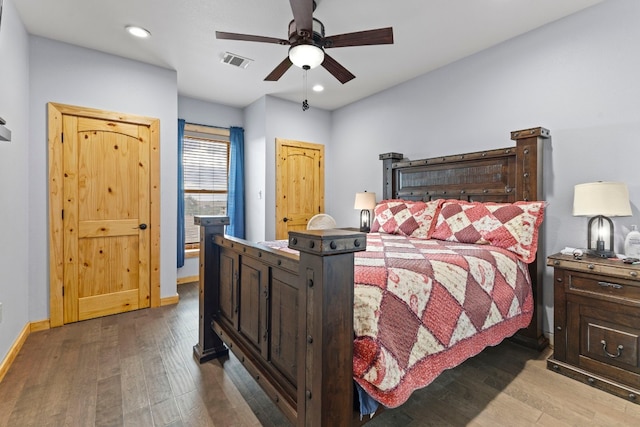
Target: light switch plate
x=5, y=134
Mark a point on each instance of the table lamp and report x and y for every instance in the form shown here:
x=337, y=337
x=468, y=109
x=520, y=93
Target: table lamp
x=601, y=200
x=365, y=201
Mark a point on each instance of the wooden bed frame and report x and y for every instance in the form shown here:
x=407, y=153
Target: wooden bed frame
x=289, y=319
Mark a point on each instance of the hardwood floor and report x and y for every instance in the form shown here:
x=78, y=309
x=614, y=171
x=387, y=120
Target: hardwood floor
x=137, y=369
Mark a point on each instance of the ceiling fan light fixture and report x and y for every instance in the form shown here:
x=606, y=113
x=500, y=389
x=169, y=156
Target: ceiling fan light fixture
x=306, y=54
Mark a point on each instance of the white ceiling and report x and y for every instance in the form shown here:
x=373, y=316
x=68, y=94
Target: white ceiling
x=427, y=33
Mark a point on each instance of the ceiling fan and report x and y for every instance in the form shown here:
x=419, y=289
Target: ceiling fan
x=308, y=43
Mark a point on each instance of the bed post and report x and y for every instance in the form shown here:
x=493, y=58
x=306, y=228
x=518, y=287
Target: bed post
x=209, y=346
x=387, y=173
x=325, y=310
x=529, y=187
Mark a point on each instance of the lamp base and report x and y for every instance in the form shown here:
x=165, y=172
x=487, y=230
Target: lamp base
x=600, y=253
x=365, y=220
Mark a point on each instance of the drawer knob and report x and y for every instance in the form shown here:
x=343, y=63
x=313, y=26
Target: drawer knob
x=634, y=274
x=556, y=262
x=613, y=356
x=632, y=396
x=591, y=266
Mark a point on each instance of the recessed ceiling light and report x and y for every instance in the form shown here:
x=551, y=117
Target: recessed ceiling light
x=138, y=31
x=318, y=88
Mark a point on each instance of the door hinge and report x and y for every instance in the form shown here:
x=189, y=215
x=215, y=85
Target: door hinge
x=63, y=291
x=62, y=213
x=62, y=137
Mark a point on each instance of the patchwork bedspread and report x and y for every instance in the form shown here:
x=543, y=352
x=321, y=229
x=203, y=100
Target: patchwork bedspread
x=424, y=306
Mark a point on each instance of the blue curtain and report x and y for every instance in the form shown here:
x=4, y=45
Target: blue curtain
x=181, y=230
x=235, y=199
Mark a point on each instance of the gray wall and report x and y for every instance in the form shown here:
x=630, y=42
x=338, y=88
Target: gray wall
x=255, y=151
x=577, y=77
x=14, y=178
x=286, y=120
x=73, y=75
x=267, y=119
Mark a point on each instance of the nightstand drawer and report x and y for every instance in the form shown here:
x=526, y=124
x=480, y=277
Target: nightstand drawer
x=599, y=266
x=616, y=359
x=610, y=343
x=608, y=288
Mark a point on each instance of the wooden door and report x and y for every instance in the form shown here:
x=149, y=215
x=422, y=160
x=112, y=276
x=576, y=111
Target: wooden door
x=106, y=219
x=299, y=184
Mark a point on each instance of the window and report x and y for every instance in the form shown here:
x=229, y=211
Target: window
x=206, y=170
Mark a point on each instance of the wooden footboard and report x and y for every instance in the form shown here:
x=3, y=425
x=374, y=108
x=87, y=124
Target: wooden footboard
x=289, y=318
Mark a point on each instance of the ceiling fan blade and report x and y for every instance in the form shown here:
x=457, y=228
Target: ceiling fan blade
x=279, y=70
x=360, y=38
x=337, y=70
x=250, y=38
x=303, y=15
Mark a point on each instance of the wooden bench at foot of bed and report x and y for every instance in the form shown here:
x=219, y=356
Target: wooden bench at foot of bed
x=289, y=320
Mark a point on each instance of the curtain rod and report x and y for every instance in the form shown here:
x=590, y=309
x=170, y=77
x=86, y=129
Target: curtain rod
x=210, y=126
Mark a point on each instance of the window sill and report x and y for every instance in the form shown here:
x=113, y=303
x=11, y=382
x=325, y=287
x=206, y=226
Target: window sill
x=192, y=253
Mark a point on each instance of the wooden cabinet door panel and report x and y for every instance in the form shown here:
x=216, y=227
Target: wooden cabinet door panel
x=228, y=285
x=284, y=324
x=253, y=293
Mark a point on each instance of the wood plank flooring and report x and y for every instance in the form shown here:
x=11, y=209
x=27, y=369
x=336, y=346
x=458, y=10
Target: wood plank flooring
x=137, y=369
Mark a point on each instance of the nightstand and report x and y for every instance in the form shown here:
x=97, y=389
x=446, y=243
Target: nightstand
x=597, y=323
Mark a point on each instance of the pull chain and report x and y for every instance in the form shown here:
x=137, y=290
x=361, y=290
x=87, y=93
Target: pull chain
x=305, y=103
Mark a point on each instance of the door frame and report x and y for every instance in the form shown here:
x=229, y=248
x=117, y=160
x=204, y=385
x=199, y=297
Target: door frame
x=55, y=112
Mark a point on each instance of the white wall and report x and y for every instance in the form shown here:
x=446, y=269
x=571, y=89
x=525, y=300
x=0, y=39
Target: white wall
x=576, y=77
x=211, y=114
x=14, y=178
x=73, y=75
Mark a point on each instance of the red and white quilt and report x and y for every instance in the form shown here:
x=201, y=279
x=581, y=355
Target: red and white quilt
x=424, y=306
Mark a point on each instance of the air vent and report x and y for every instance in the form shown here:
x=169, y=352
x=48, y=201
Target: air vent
x=236, y=60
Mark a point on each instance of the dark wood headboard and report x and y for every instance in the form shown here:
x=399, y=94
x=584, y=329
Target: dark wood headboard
x=500, y=175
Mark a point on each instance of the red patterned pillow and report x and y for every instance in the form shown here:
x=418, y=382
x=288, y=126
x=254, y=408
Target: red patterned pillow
x=405, y=217
x=512, y=226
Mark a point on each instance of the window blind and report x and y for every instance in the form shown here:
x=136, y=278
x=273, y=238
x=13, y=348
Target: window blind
x=205, y=165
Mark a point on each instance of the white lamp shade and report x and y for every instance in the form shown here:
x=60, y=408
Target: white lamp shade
x=306, y=54
x=601, y=198
x=365, y=201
